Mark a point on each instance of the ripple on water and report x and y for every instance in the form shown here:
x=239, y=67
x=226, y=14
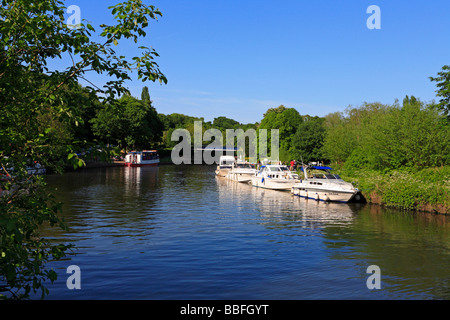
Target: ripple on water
x=181, y=233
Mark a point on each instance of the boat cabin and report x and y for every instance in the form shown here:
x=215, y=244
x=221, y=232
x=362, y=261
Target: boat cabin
x=320, y=172
x=226, y=161
x=277, y=171
x=145, y=157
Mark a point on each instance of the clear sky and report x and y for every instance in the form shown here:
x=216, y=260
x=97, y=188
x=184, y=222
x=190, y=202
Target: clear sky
x=239, y=58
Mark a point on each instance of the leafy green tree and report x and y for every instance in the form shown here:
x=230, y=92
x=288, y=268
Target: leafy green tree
x=129, y=123
x=411, y=136
x=345, y=132
x=308, y=140
x=443, y=85
x=177, y=121
x=224, y=123
x=286, y=120
x=145, y=95
x=84, y=104
x=375, y=136
x=338, y=142
x=35, y=109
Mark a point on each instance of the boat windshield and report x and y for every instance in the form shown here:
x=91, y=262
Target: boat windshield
x=284, y=168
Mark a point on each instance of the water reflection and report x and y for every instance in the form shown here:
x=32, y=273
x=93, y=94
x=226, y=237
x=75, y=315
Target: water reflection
x=412, y=249
x=274, y=203
x=106, y=203
x=179, y=232
x=137, y=181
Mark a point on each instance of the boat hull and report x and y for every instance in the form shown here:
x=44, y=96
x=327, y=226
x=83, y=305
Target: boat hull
x=275, y=184
x=129, y=164
x=324, y=195
x=222, y=172
x=241, y=175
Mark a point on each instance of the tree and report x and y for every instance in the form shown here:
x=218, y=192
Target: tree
x=385, y=137
x=286, y=120
x=224, y=123
x=443, y=85
x=308, y=140
x=31, y=33
x=145, y=96
x=177, y=121
x=129, y=122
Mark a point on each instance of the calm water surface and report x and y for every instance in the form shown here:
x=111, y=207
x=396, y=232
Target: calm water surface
x=178, y=232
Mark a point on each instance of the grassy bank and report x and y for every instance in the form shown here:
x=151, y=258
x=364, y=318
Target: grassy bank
x=424, y=190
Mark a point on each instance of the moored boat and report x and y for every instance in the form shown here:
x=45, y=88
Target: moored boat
x=225, y=165
x=241, y=171
x=142, y=158
x=274, y=176
x=319, y=183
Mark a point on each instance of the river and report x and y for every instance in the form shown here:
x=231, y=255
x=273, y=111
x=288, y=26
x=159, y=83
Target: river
x=179, y=232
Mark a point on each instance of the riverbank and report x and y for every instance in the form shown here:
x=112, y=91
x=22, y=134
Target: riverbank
x=426, y=190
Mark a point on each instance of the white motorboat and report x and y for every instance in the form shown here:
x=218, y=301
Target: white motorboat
x=320, y=184
x=225, y=165
x=274, y=176
x=241, y=171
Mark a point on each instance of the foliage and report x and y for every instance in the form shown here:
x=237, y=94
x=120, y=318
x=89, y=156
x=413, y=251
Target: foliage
x=175, y=121
x=443, y=91
x=224, y=123
x=145, y=95
x=128, y=122
x=426, y=189
x=23, y=253
x=385, y=137
x=40, y=109
x=308, y=140
x=338, y=142
x=286, y=120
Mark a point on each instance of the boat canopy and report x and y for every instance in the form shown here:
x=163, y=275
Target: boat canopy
x=321, y=168
x=318, y=168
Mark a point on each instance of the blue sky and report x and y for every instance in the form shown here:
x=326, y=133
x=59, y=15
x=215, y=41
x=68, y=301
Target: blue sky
x=239, y=58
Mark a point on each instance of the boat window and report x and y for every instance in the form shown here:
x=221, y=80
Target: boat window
x=284, y=168
x=148, y=156
x=330, y=176
x=274, y=169
x=244, y=165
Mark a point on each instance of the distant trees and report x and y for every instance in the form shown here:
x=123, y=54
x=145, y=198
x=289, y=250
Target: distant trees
x=129, y=122
x=175, y=121
x=383, y=137
x=411, y=135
